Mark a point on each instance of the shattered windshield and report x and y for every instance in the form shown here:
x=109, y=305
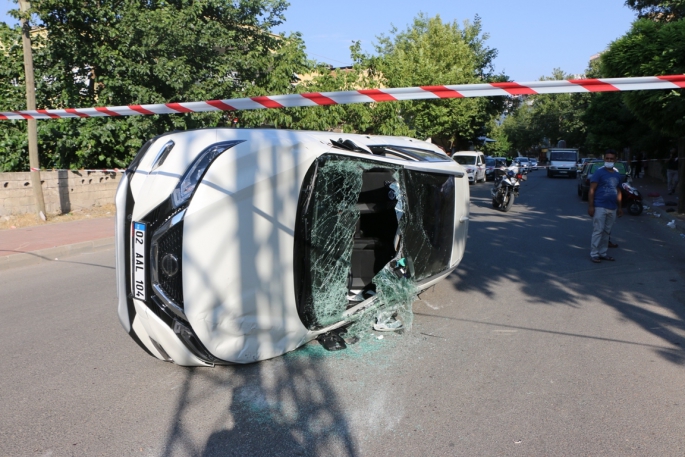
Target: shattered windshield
x=367, y=232
x=465, y=160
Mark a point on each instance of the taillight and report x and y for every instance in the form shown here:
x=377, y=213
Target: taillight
x=519, y=176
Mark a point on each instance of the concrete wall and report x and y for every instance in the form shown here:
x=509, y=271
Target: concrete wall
x=64, y=191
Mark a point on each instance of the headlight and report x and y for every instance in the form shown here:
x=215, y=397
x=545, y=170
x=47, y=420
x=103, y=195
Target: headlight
x=185, y=188
x=573, y=168
x=552, y=168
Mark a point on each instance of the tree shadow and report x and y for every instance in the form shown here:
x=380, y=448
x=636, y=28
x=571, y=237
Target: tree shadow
x=284, y=405
x=280, y=407
x=542, y=246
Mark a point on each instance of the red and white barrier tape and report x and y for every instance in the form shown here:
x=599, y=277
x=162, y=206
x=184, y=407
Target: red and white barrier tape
x=365, y=96
x=104, y=170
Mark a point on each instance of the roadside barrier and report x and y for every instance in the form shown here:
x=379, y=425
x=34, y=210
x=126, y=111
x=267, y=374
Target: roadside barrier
x=364, y=96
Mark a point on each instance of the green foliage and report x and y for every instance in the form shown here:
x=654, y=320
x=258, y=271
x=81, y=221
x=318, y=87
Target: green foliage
x=611, y=125
x=651, y=48
x=429, y=52
x=658, y=10
x=502, y=146
x=543, y=120
x=121, y=52
x=13, y=140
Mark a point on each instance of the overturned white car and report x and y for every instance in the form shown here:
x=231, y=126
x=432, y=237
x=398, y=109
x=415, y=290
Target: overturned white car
x=238, y=245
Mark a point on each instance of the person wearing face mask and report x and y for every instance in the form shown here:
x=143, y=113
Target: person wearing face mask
x=604, y=200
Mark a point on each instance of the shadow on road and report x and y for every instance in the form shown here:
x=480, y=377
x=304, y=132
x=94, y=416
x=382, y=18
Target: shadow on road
x=280, y=407
x=543, y=246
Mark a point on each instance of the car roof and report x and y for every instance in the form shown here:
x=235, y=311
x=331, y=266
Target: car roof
x=467, y=153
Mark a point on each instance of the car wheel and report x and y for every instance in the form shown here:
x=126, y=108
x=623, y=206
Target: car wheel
x=580, y=192
x=549, y=174
x=584, y=196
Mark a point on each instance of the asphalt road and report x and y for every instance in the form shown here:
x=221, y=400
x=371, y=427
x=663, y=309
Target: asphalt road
x=528, y=349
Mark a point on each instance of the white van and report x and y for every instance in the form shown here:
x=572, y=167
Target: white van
x=474, y=164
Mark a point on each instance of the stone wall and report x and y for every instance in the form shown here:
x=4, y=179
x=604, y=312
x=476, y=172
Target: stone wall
x=64, y=191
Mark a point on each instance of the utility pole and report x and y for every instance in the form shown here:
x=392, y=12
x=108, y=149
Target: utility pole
x=24, y=7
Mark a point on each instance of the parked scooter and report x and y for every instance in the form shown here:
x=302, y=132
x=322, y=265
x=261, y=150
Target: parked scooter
x=506, y=187
x=631, y=199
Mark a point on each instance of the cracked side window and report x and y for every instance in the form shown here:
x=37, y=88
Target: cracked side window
x=360, y=234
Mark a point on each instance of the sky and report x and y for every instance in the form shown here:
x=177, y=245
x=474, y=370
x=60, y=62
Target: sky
x=532, y=37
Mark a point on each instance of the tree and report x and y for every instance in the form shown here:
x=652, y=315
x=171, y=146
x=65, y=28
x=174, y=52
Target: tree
x=658, y=10
x=121, y=52
x=541, y=120
x=653, y=48
x=432, y=52
x=429, y=52
x=13, y=136
x=611, y=125
x=501, y=147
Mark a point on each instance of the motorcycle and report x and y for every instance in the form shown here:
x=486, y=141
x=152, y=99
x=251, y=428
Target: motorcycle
x=506, y=187
x=631, y=199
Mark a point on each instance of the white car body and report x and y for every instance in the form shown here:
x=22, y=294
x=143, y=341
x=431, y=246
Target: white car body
x=223, y=241
x=474, y=164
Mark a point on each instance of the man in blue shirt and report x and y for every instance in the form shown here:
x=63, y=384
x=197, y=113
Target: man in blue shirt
x=605, y=204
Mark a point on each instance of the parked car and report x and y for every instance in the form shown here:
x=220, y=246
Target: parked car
x=474, y=164
x=533, y=164
x=523, y=163
x=590, y=167
x=491, y=163
x=238, y=245
x=583, y=161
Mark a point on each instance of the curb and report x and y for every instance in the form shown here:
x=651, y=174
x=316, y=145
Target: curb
x=24, y=259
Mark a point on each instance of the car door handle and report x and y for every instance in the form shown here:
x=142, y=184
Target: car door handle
x=463, y=219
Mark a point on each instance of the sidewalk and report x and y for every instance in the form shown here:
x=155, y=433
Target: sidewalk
x=649, y=185
x=44, y=243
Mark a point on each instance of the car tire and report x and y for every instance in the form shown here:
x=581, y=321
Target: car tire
x=549, y=174
x=580, y=192
x=584, y=197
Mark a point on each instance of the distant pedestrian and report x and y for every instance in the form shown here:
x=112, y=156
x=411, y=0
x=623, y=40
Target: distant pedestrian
x=672, y=172
x=604, y=200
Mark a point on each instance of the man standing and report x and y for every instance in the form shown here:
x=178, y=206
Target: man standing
x=672, y=172
x=604, y=200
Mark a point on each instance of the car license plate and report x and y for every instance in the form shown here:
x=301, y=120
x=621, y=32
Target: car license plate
x=562, y=172
x=139, y=264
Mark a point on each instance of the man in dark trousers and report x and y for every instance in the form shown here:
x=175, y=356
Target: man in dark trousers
x=604, y=200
